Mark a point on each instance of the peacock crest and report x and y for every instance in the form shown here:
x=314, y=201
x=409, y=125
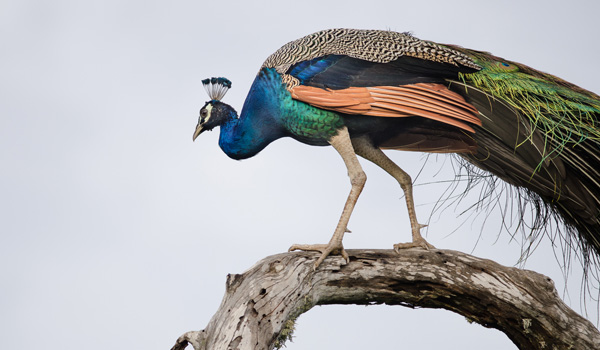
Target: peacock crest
x=216, y=88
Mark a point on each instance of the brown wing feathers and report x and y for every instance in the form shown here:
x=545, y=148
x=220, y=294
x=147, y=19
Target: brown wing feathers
x=427, y=100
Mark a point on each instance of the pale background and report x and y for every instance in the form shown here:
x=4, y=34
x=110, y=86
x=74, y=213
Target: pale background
x=117, y=232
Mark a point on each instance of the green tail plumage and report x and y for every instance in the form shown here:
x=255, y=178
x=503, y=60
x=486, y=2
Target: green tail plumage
x=542, y=134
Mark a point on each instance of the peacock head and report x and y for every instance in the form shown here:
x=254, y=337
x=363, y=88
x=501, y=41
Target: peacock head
x=214, y=112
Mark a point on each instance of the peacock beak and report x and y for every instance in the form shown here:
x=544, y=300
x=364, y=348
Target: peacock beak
x=198, y=131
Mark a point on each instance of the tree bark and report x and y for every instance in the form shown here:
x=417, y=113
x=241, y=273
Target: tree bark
x=260, y=306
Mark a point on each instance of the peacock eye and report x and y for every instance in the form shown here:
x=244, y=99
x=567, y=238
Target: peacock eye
x=507, y=67
x=203, y=113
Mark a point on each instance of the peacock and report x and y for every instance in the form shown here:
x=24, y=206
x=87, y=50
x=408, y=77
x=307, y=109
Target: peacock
x=364, y=91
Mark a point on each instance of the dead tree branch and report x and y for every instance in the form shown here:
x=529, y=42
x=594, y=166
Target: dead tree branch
x=261, y=305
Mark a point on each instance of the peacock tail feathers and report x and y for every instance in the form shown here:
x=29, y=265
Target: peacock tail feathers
x=566, y=114
x=550, y=150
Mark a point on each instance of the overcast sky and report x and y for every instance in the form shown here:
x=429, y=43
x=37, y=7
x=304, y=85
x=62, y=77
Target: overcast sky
x=117, y=232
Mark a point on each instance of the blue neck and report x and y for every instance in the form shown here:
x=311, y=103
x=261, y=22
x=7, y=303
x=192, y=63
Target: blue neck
x=256, y=127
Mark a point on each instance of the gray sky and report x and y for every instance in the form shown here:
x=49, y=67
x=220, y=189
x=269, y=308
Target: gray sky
x=117, y=231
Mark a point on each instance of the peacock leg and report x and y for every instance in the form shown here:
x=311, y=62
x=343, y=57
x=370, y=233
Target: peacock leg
x=364, y=148
x=342, y=143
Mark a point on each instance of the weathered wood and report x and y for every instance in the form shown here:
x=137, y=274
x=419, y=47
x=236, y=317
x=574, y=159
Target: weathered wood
x=261, y=305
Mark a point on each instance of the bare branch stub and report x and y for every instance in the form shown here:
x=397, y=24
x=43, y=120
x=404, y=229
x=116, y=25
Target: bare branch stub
x=260, y=306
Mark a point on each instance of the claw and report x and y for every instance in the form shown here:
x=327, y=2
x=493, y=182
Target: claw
x=325, y=249
x=418, y=241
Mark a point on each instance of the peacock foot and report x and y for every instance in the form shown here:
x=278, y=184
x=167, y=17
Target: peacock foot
x=335, y=248
x=418, y=241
